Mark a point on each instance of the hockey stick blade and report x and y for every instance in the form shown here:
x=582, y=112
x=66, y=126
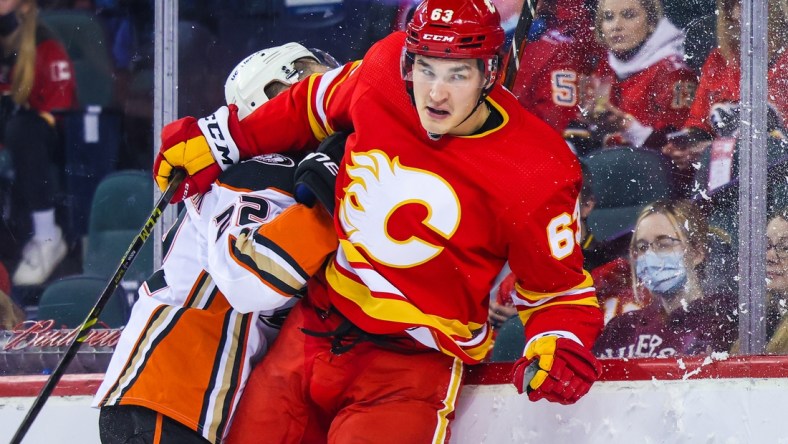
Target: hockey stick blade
x=519, y=41
x=92, y=318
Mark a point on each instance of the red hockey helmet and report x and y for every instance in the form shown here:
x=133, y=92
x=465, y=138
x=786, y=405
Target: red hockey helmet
x=455, y=29
x=458, y=29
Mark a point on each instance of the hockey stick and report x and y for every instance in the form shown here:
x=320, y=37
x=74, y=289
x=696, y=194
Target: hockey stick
x=92, y=318
x=520, y=39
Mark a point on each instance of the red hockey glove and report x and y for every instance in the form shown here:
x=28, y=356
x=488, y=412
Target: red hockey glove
x=201, y=147
x=556, y=369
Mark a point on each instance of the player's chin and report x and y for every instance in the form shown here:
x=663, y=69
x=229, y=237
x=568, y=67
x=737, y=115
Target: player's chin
x=434, y=127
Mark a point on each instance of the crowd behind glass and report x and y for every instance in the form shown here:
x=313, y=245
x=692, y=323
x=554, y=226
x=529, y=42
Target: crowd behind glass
x=646, y=94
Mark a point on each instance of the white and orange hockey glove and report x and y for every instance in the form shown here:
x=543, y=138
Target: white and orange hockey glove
x=556, y=369
x=203, y=148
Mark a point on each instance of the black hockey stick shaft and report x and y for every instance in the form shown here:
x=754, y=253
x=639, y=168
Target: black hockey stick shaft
x=92, y=318
x=519, y=41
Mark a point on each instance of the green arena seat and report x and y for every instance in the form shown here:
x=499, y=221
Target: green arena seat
x=121, y=205
x=68, y=301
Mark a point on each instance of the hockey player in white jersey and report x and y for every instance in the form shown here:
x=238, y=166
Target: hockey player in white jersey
x=182, y=361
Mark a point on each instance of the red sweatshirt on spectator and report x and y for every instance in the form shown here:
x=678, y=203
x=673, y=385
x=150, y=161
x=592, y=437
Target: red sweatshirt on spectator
x=655, y=85
x=613, y=283
x=720, y=80
x=54, y=84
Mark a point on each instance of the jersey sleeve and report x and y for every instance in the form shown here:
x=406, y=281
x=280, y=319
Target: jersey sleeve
x=699, y=112
x=307, y=113
x=553, y=293
x=671, y=105
x=54, y=86
x=674, y=99
x=260, y=266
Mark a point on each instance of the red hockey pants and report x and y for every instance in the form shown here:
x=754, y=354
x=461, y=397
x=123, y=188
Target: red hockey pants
x=303, y=393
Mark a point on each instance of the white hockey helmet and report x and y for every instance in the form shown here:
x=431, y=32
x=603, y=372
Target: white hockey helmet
x=245, y=87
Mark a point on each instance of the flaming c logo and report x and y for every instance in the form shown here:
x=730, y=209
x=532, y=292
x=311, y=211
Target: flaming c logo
x=378, y=187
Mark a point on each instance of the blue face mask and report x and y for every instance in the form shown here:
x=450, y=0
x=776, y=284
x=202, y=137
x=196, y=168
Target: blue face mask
x=663, y=274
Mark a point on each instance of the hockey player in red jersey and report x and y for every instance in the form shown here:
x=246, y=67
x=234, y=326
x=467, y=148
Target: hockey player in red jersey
x=445, y=178
x=184, y=356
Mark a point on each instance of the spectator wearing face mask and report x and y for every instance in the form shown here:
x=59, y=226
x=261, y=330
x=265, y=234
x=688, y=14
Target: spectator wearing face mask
x=667, y=255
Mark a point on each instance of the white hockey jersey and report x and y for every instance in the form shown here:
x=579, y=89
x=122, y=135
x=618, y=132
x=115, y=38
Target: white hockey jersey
x=186, y=351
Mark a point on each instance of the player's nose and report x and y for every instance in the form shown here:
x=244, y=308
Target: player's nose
x=438, y=92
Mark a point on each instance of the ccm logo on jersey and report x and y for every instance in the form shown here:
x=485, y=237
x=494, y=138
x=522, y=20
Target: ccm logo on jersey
x=438, y=38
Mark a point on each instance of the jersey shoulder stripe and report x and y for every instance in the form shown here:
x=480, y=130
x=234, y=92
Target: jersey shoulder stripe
x=279, y=273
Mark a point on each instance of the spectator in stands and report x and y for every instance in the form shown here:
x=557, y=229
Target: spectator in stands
x=613, y=282
x=36, y=78
x=642, y=89
x=556, y=62
x=777, y=283
x=715, y=110
x=668, y=250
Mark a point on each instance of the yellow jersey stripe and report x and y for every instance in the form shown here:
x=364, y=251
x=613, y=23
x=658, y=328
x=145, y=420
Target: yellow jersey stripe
x=317, y=130
x=587, y=283
x=333, y=87
x=394, y=310
x=590, y=301
x=501, y=111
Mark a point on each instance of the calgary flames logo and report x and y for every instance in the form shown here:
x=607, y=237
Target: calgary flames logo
x=378, y=187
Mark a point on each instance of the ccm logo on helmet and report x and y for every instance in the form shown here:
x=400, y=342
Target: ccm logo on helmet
x=438, y=38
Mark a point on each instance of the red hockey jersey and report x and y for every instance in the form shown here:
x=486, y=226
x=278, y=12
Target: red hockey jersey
x=659, y=96
x=552, y=69
x=426, y=226
x=54, y=83
x=720, y=81
x=614, y=289
x=654, y=85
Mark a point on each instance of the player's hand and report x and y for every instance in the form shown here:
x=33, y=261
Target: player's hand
x=500, y=313
x=556, y=369
x=316, y=175
x=203, y=148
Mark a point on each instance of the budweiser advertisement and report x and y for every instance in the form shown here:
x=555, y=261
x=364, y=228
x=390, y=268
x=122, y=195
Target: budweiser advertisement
x=36, y=347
